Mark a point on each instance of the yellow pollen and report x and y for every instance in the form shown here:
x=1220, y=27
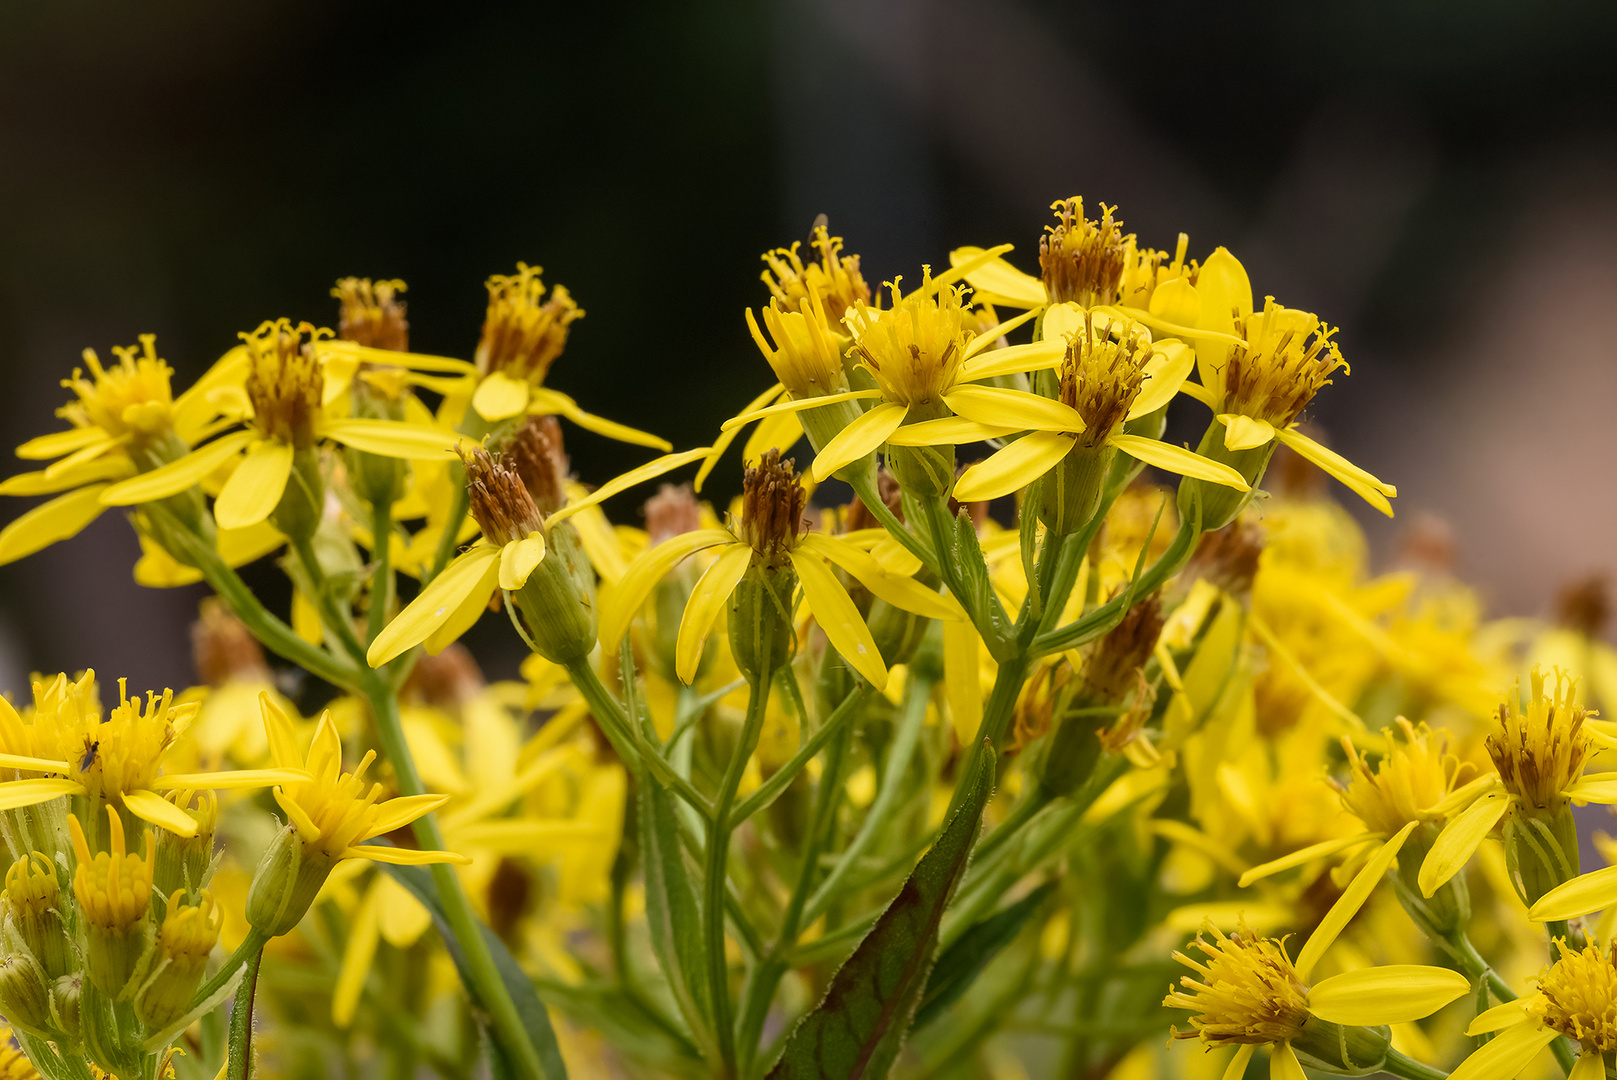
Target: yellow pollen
x=1415, y=775
x=1580, y=997
x=1286, y=357
x=113, y=888
x=1083, y=261
x=124, y=752
x=1248, y=991
x=915, y=348
x=284, y=380
x=1541, y=752
x=806, y=357
x=834, y=282
x=1101, y=378
x=131, y=398
x=523, y=333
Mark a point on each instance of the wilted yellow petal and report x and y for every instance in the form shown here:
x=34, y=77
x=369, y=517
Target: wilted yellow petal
x=707, y=599
x=1353, y=898
x=1390, y=994
x=255, y=488
x=836, y=614
x=1458, y=841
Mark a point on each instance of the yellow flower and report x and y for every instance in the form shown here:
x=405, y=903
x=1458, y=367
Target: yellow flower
x=511, y=549
x=769, y=532
x=372, y=313
x=14, y=1064
x=1250, y=994
x=1105, y=381
x=283, y=404
x=124, y=421
x=834, y=282
x=1576, y=998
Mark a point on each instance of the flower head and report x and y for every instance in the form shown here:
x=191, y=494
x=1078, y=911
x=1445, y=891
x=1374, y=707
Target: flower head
x=536, y=453
x=915, y=348
x=1579, y=996
x=1248, y=992
x=772, y=504
x=31, y=887
x=1413, y=777
x=284, y=381
x=523, y=332
x=130, y=399
x=1083, y=261
x=114, y=889
x=372, y=314
x=1101, y=376
x=1540, y=752
x=1285, y=357
x=806, y=355
x=832, y=282
x=500, y=501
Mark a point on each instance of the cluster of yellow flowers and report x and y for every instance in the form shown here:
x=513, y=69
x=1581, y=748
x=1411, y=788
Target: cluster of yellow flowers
x=1011, y=735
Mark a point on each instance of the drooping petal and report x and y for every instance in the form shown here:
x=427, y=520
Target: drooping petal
x=500, y=397
x=358, y=953
x=519, y=558
x=231, y=779
x=1014, y=467
x=1245, y=432
x=152, y=807
x=1013, y=360
x=1177, y=459
x=1459, y=839
x=255, y=488
x=946, y=430
x=393, y=438
x=1353, y=898
x=1366, y=486
x=1165, y=373
x=858, y=439
x=1583, y=894
x=464, y=617
x=962, y=684
x=115, y=467
x=1505, y=1055
x=707, y=599
x=544, y=401
x=1303, y=856
x=1003, y=283
x=797, y=405
x=834, y=610
x=436, y=603
x=626, y=597
x=1002, y=407
x=279, y=732
x=722, y=443
x=1283, y=1063
x=404, y=856
x=1589, y=1066
x=1499, y=1017
x=901, y=592
x=1236, y=1069
x=1598, y=788
x=399, y=812
x=62, y=518
x=1390, y=994
x=176, y=476
x=649, y=471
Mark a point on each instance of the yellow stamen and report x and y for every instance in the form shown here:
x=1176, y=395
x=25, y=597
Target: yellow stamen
x=523, y=333
x=1580, y=997
x=1248, y=991
x=1540, y=753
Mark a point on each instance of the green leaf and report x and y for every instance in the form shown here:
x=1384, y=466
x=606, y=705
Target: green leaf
x=534, y=1018
x=673, y=912
x=963, y=961
x=858, y=1030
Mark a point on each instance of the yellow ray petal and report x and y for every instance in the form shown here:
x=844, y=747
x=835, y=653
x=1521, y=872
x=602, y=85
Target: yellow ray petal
x=948, y=429
x=1006, y=283
x=774, y=433
x=357, y=955
x=1062, y=321
x=48, y=483
x=392, y=438
x=519, y=559
x=797, y=405
x=858, y=439
x=987, y=338
x=1165, y=373
x=31, y=764
x=57, y=443
x=1236, y=1069
x=1459, y=839
x=1013, y=360
x=1283, y=1063
x=1366, y=486
x=1012, y=408
x=626, y=597
x=1353, y=898
x=722, y=443
x=544, y=401
x=399, y=914
x=279, y=732
x=231, y=779
x=63, y=518
x=1323, y=849
x=176, y=476
x=1507, y=1054
x=1498, y=1018
x=708, y=598
x=437, y=602
x=500, y=397
x=968, y=264
x=464, y=617
x=152, y=807
x=1598, y=788
x=649, y=471
x=1177, y=459
x=255, y=488
x=404, y=856
x=1390, y=994
x=1245, y=432
x=1583, y=894
x=835, y=612
x=198, y=405
x=901, y=592
x=1589, y=1066
x=399, y=812
x=961, y=680
x=414, y=361
x=1014, y=467
x=238, y=547
x=16, y=793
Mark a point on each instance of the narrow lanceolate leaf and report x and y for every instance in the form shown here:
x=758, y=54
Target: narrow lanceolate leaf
x=963, y=961
x=858, y=1030
x=672, y=911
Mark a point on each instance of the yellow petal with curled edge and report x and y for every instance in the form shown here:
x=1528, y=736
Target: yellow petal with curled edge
x=1014, y=360
x=707, y=599
x=519, y=558
x=962, y=685
x=86, y=472
x=774, y=433
x=1459, y=840
x=1589, y=1066
x=358, y=953
x=435, y=605
x=624, y=601
x=58, y=443
x=1014, y=467
x=1366, y=486
x=1323, y=849
x=1165, y=373
x=722, y=443
x=901, y=592
x=1283, y=1063
x=1002, y=407
x=1499, y=1017
x=545, y=401
x=797, y=405
x=836, y=614
x=1245, y=432
x=255, y=488
x=1004, y=283
x=649, y=471
x=1583, y=894
x=988, y=337
x=945, y=430
x=1390, y=994
x=500, y=397
x=858, y=439
x=1236, y=1069
x=18, y=793
x=399, y=812
x=31, y=764
x=392, y=438
x=230, y=779
x=152, y=807
x=176, y=476
x=1177, y=459
x=63, y=518
x=1352, y=899
x=1506, y=1054
x=404, y=856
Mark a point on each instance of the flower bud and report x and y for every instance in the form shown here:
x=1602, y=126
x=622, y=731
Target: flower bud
x=377, y=393
x=184, y=862
x=285, y=385
x=114, y=891
x=523, y=333
x=1540, y=753
x=1219, y=504
x=24, y=994
x=67, y=993
x=187, y=936
x=33, y=913
x=535, y=450
x=1341, y=1049
x=762, y=638
x=288, y=878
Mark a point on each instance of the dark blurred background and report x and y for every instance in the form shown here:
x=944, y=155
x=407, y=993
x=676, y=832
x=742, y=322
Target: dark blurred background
x=1435, y=177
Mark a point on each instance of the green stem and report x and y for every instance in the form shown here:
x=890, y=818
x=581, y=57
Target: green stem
x=1106, y=616
x=239, y=1060
x=864, y=485
x=335, y=620
x=457, y=513
x=1399, y=1065
x=996, y=717
x=1022, y=813
x=487, y=985
x=628, y=739
x=251, y=946
x=770, y=789
x=717, y=864
x=382, y=576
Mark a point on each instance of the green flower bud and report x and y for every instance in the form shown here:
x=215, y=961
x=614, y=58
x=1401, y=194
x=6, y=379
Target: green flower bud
x=1340, y=1049
x=66, y=997
x=377, y=394
x=187, y=936
x=24, y=994
x=33, y=913
x=113, y=890
x=923, y=470
x=288, y=878
x=1070, y=492
x=1218, y=504
x=761, y=633
x=304, y=501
